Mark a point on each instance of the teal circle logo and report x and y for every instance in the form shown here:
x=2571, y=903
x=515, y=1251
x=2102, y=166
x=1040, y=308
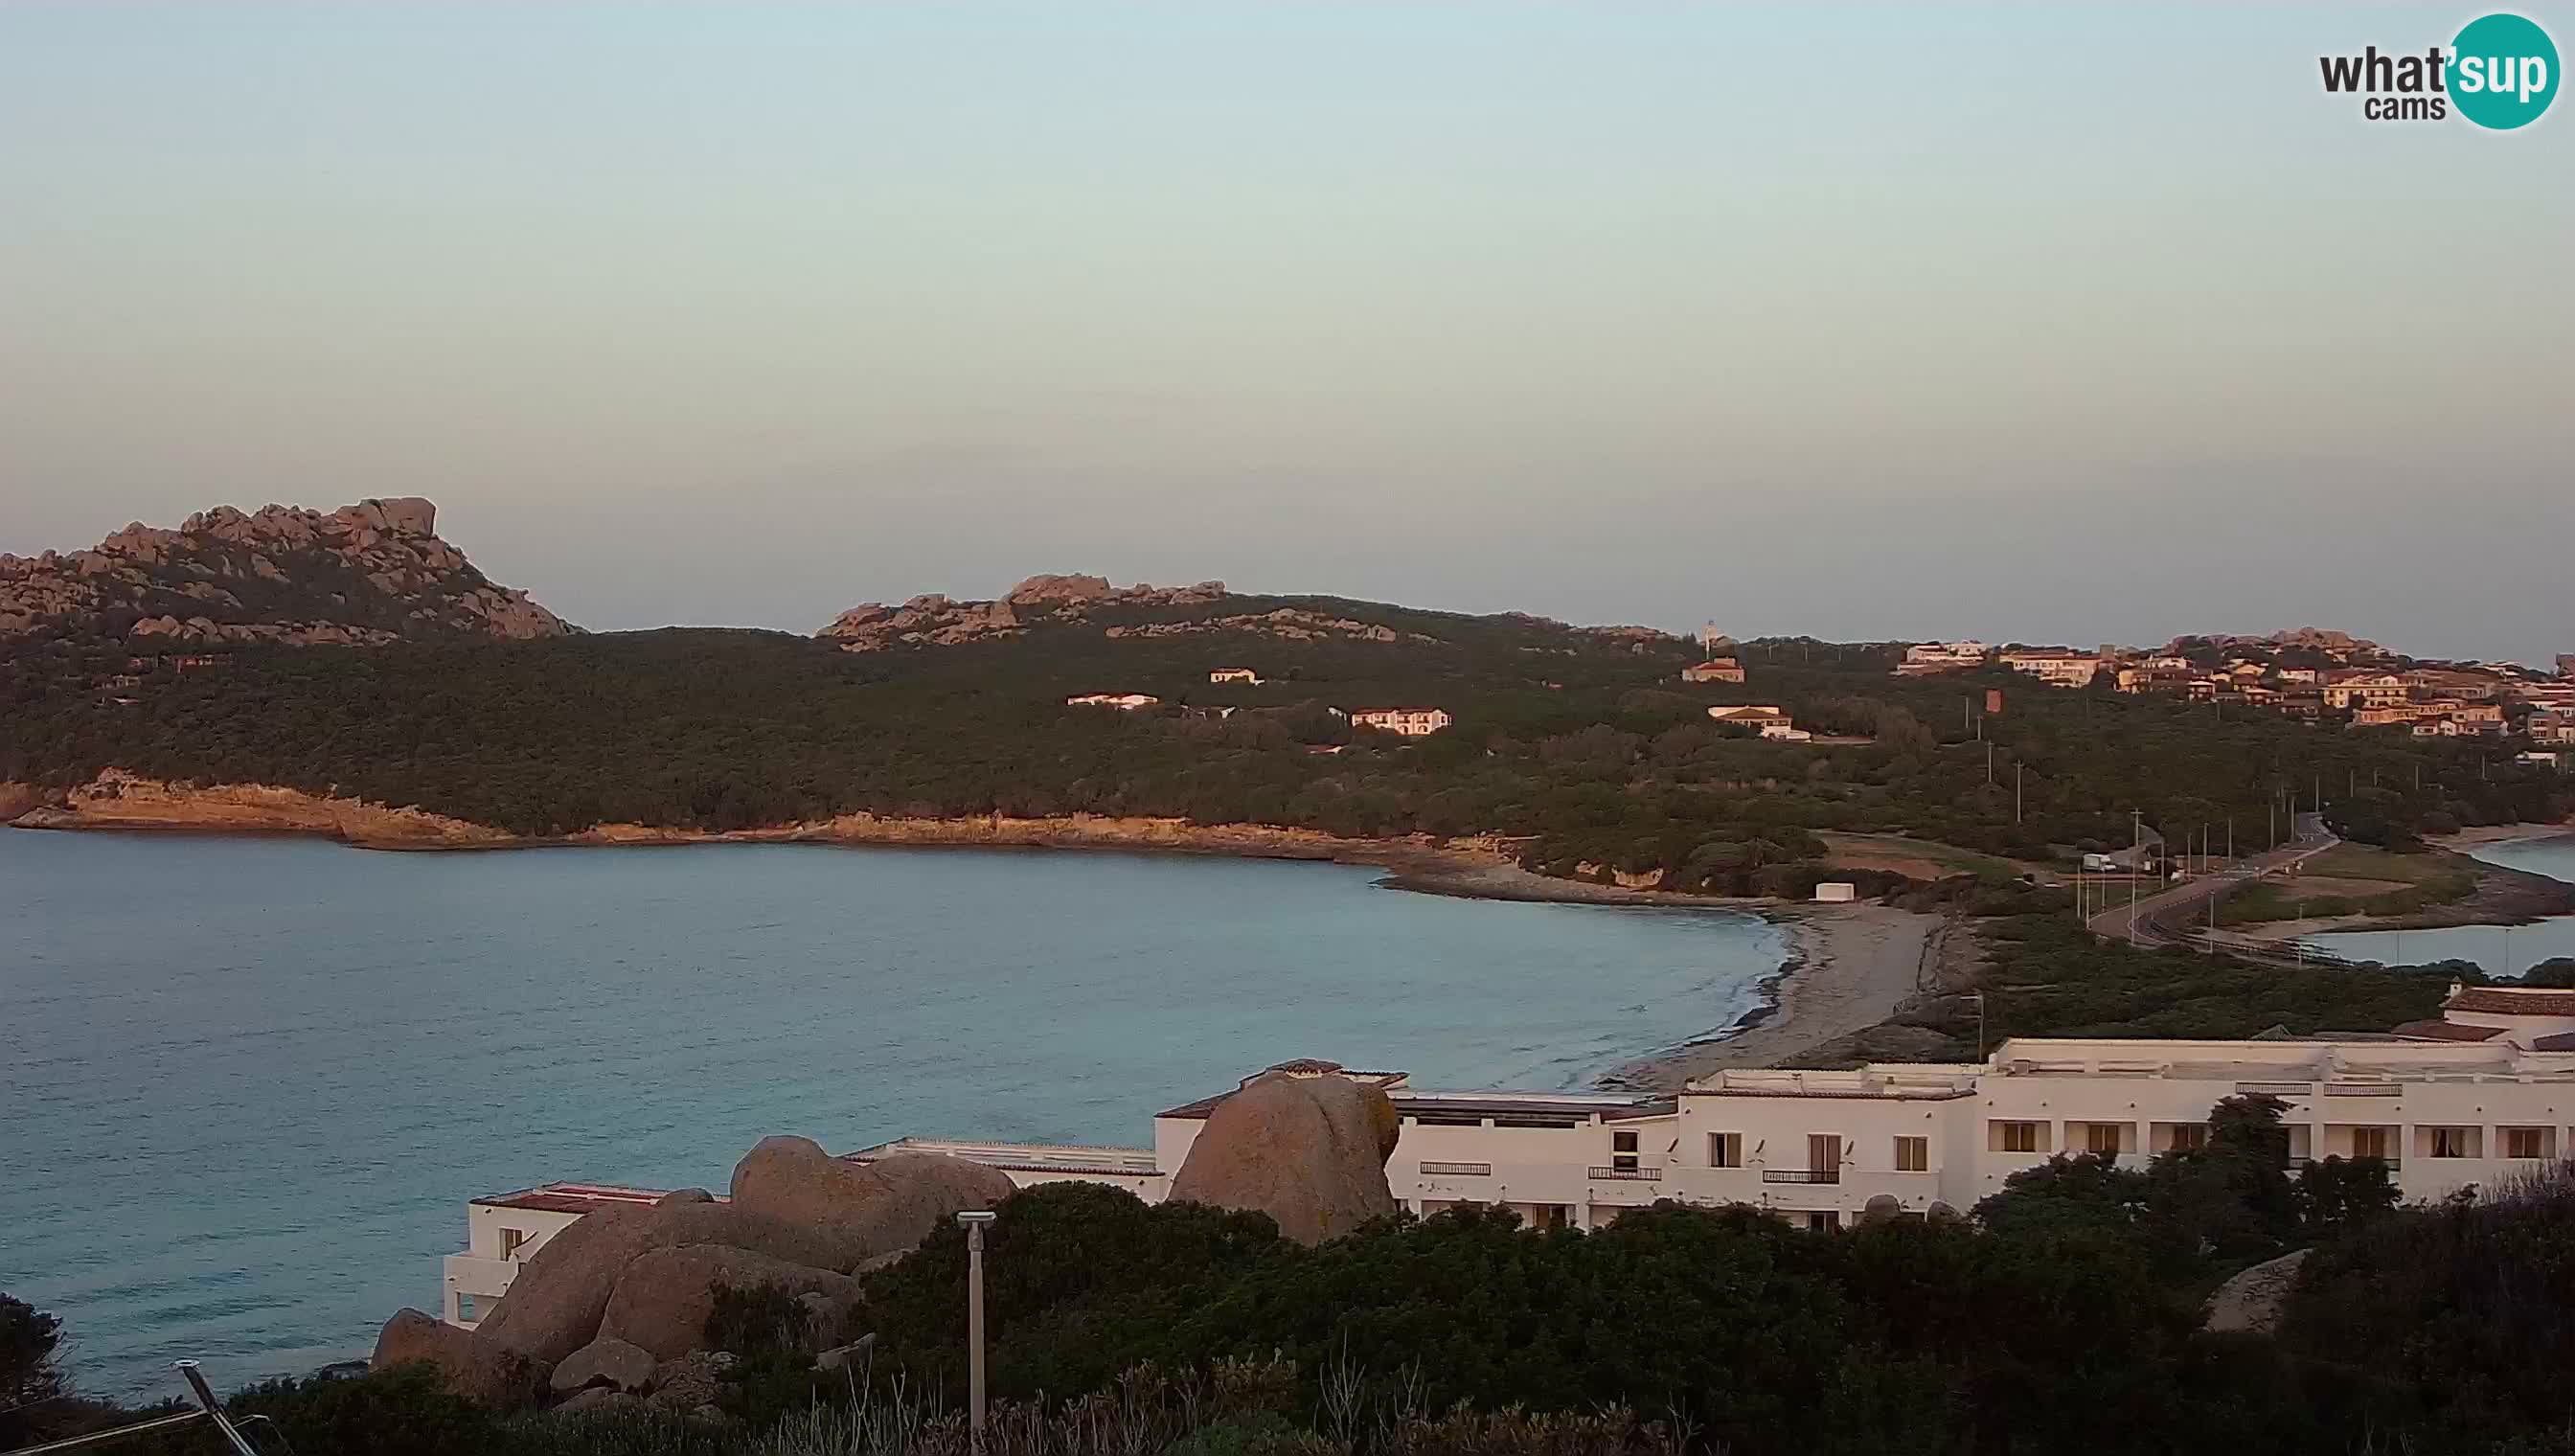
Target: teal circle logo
x=2503, y=71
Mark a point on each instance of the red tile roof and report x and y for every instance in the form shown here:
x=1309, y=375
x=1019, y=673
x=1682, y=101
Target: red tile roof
x=2512, y=1002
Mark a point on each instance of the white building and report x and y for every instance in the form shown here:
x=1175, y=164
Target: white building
x=1413, y=722
x=1942, y=656
x=2063, y=670
x=502, y=1230
x=1122, y=701
x=1235, y=675
x=2476, y=1098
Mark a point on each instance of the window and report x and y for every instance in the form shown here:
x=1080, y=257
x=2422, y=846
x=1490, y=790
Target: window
x=2191, y=1137
x=2449, y=1142
x=1622, y=1151
x=2522, y=1142
x=2017, y=1137
x=513, y=1240
x=1913, y=1155
x=2101, y=1139
x=1725, y=1149
x=1824, y=1156
x=465, y=1309
x=2369, y=1142
x=1823, y=1223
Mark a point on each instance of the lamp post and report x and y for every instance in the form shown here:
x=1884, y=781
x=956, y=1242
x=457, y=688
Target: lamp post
x=974, y=1221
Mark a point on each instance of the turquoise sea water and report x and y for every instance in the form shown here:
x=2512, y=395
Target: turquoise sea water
x=2503, y=951
x=245, y=1086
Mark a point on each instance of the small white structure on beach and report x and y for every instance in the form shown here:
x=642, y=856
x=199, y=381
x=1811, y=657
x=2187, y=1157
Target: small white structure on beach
x=1836, y=892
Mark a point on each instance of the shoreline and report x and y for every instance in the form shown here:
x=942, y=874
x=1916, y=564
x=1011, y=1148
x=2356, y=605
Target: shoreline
x=1848, y=968
x=2503, y=896
x=1835, y=976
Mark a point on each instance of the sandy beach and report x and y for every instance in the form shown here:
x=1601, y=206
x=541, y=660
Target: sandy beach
x=1849, y=969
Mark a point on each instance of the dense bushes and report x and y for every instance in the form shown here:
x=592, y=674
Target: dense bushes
x=2045, y=975
x=1584, y=744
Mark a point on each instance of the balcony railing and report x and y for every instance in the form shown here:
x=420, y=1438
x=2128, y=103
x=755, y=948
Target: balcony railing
x=1458, y=1171
x=1801, y=1175
x=1646, y=1175
x=2363, y=1090
x=2276, y=1090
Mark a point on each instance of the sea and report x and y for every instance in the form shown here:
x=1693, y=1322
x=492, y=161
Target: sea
x=248, y=1085
x=2504, y=950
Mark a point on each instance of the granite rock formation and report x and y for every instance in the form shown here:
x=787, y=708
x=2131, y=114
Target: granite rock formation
x=479, y=1369
x=866, y=1210
x=939, y=621
x=363, y=574
x=1301, y=1144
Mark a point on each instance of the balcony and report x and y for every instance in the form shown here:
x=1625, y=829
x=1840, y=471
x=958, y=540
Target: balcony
x=1644, y=1175
x=1456, y=1170
x=1801, y=1175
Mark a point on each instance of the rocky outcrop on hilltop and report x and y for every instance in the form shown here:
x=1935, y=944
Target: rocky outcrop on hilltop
x=363, y=574
x=1301, y=1144
x=1287, y=623
x=939, y=620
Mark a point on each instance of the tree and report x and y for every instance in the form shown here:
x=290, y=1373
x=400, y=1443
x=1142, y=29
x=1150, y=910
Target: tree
x=30, y=1377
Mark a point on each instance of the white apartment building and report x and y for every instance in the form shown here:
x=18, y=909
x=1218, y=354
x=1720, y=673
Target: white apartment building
x=1942, y=656
x=1235, y=675
x=2063, y=670
x=2475, y=1098
x=1413, y=722
x=504, y=1229
x=1122, y=701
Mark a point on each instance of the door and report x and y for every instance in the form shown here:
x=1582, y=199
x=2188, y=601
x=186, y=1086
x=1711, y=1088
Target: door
x=1825, y=1155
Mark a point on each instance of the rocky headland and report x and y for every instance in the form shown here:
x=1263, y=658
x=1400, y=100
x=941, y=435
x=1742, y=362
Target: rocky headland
x=363, y=574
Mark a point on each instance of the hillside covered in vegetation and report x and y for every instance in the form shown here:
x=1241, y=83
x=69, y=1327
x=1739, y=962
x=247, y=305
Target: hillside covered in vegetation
x=1583, y=743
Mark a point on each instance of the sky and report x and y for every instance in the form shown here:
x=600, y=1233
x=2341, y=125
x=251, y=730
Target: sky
x=2049, y=324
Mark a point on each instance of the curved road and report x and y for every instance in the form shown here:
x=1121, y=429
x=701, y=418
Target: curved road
x=2173, y=915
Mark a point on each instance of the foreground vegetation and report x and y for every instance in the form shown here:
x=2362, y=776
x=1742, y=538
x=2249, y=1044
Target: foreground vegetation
x=1584, y=744
x=2066, y=1315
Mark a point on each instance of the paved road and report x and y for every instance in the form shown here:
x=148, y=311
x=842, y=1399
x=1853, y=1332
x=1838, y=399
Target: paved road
x=2168, y=916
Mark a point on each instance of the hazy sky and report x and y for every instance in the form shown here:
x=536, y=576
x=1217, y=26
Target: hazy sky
x=2084, y=325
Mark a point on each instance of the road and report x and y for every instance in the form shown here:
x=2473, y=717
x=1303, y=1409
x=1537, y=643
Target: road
x=2170, y=917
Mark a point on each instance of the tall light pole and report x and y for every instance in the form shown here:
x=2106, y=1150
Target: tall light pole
x=974, y=1220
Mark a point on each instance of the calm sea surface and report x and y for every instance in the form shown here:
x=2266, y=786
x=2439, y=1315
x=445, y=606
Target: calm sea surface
x=2503, y=951
x=245, y=1086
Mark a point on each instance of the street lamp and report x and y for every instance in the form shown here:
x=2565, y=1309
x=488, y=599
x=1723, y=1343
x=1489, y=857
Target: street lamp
x=975, y=1222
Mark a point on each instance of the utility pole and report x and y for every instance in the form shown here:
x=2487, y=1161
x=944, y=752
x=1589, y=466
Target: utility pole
x=1989, y=756
x=974, y=1221
x=2016, y=767
x=2136, y=862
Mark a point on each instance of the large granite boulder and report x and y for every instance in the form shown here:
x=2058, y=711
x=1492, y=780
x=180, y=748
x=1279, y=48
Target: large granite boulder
x=603, y=1361
x=865, y=1209
x=555, y=1304
x=1307, y=1148
x=662, y=1299
x=479, y=1369
x=693, y=1383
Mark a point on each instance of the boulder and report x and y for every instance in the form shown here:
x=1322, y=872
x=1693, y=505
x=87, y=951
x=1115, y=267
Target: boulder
x=2250, y=1302
x=599, y=1398
x=480, y=1370
x=662, y=1300
x=692, y=1382
x=1304, y=1145
x=603, y=1361
x=555, y=1304
x=865, y=1209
